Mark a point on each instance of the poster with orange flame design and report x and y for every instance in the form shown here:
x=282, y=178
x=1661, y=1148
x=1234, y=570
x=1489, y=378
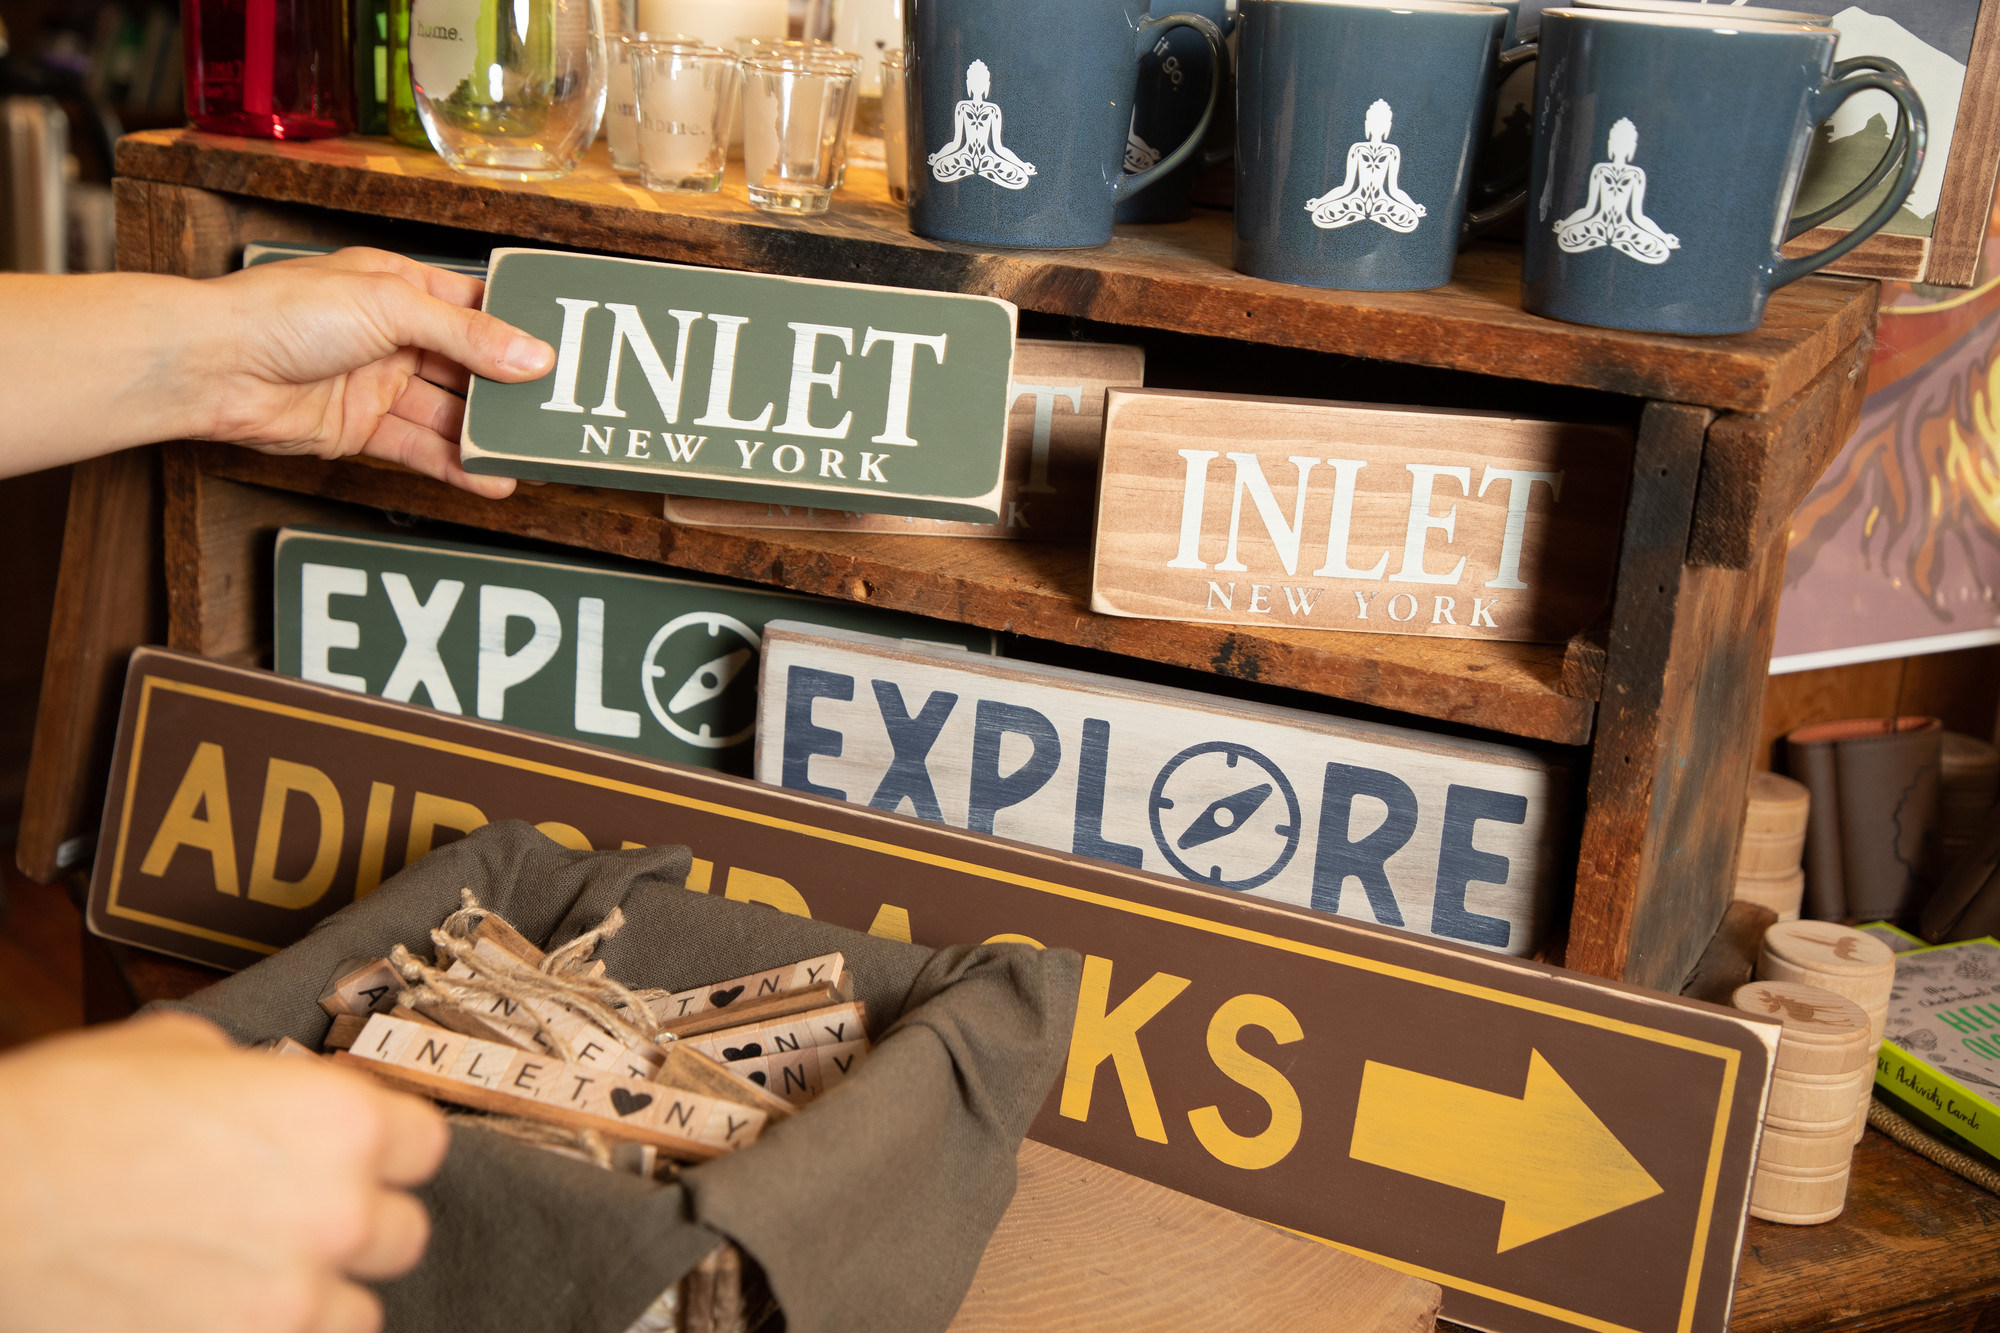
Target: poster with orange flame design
x=1897, y=550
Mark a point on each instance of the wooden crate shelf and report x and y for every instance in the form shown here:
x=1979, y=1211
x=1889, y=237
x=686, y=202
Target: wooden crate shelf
x=1042, y=589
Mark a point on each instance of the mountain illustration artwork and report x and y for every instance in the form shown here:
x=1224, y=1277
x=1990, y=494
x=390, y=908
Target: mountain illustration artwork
x=1371, y=192
x=975, y=147
x=1615, y=212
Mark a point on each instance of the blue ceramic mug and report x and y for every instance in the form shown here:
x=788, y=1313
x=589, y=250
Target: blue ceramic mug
x=1357, y=124
x=1173, y=81
x=1668, y=149
x=1019, y=113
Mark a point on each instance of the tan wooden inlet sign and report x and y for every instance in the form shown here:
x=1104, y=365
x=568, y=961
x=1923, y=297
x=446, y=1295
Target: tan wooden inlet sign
x=1557, y=1152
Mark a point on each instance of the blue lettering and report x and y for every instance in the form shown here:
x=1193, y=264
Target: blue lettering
x=803, y=740
x=990, y=792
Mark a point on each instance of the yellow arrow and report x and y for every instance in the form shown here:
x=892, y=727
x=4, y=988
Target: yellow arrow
x=1544, y=1154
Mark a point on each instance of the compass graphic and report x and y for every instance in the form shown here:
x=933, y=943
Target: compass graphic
x=698, y=657
x=1227, y=809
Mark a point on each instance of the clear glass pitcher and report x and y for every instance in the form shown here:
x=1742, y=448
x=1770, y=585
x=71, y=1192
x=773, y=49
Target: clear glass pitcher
x=509, y=88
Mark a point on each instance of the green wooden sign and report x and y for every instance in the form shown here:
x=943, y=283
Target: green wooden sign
x=665, y=668
x=746, y=386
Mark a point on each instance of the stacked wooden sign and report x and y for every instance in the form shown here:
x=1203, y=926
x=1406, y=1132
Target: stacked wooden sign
x=496, y=1024
x=1055, y=440
x=1388, y=520
x=748, y=386
x=1450, y=838
x=1768, y=870
x=1818, y=1107
x=1833, y=957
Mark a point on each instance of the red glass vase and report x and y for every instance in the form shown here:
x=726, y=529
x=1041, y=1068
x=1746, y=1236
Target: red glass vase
x=275, y=69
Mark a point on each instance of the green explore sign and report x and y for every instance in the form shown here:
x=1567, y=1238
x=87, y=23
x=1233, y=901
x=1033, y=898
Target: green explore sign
x=665, y=668
x=745, y=386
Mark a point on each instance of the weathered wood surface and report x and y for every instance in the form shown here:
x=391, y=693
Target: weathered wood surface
x=1035, y=588
x=1086, y=1249
x=1357, y=509
x=1171, y=277
x=1690, y=641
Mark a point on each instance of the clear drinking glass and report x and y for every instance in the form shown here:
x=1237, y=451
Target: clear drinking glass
x=686, y=95
x=621, y=108
x=895, y=127
x=509, y=88
x=794, y=125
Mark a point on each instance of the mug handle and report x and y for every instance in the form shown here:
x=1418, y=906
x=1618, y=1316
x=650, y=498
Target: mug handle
x=1125, y=186
x=1799, y=226
x=1515, y=181
x=1831, y=96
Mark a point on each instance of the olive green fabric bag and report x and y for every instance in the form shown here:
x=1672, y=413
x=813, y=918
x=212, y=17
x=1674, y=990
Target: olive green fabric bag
x=867, y=1211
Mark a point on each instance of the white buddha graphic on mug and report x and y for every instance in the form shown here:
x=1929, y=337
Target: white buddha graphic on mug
x=1370, y=193
x=975, y=147
x=1615, y=213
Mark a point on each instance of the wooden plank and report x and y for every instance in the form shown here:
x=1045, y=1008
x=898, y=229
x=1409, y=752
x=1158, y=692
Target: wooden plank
x=1730, y=960
x=830, y=1026
x=744, y=1012
x=1033, y=588
x=1618, y=810
x=1449, y=838
x=1055, y=438
x=219, y=540
x=1218, y=1036
x=824, y=970
x=1756, y=468
x=1396, y=491
x=1168, y=277
x=1085, y=1249
x=109, y=600
x=872, y=397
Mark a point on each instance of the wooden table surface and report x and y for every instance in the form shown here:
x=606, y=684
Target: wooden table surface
x=1175, y=276
x=1917, y=1251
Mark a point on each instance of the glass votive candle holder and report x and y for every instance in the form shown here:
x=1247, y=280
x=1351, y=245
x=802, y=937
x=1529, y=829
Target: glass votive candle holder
x=686, y=98
x=795, y=108
x=895, y=127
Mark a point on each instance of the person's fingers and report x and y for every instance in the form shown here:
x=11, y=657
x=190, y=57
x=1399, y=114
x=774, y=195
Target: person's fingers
x=423, y=450
x=473, y=338
x=458, y=288
x=181, y=1029
x=428, y=406
x=398, y=1231
x=415, y=1137
x=347, y=1308
x=445, y=373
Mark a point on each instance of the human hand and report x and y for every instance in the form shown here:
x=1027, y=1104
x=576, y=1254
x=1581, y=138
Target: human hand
x=154, y=1178
x=356, y=352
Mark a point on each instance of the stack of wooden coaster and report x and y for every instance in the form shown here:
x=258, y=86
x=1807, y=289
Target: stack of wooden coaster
x=1968, y=789
x=1837, y=958
x=1820, y=1084
x=1774, y=837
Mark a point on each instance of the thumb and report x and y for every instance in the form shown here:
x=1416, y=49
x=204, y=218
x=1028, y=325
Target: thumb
x=474, y=339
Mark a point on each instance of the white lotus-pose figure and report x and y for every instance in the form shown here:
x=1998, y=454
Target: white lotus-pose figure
x=1370, y=192
x=1615, y=213
x=975, y=147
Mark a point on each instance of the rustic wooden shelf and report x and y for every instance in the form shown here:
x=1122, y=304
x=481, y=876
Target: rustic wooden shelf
x=1042, y=589
x=1173, y=277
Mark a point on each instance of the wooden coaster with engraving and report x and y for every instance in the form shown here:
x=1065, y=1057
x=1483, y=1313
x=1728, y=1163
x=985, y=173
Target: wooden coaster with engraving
x=1837, y=958
x=1783, y=894
x=1825, y=1034
x=1798, y=1198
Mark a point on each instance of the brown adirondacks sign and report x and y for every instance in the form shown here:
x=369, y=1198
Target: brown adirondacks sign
x=1556, y=1151
x=1055, y=438
x=1347, y=516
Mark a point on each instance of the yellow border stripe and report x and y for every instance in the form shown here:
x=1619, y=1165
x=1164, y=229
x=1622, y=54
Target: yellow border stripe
x=1730, y=1058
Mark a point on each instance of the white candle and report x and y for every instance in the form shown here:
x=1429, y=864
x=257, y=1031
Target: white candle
x=715, y=22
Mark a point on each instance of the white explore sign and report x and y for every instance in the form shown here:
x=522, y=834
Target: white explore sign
x=1450, y=838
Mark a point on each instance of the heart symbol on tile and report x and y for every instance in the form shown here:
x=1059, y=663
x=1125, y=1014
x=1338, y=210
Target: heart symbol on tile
x=718, y=999
x=750, y=1052
x=625, y=1103
x=759, y=1077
